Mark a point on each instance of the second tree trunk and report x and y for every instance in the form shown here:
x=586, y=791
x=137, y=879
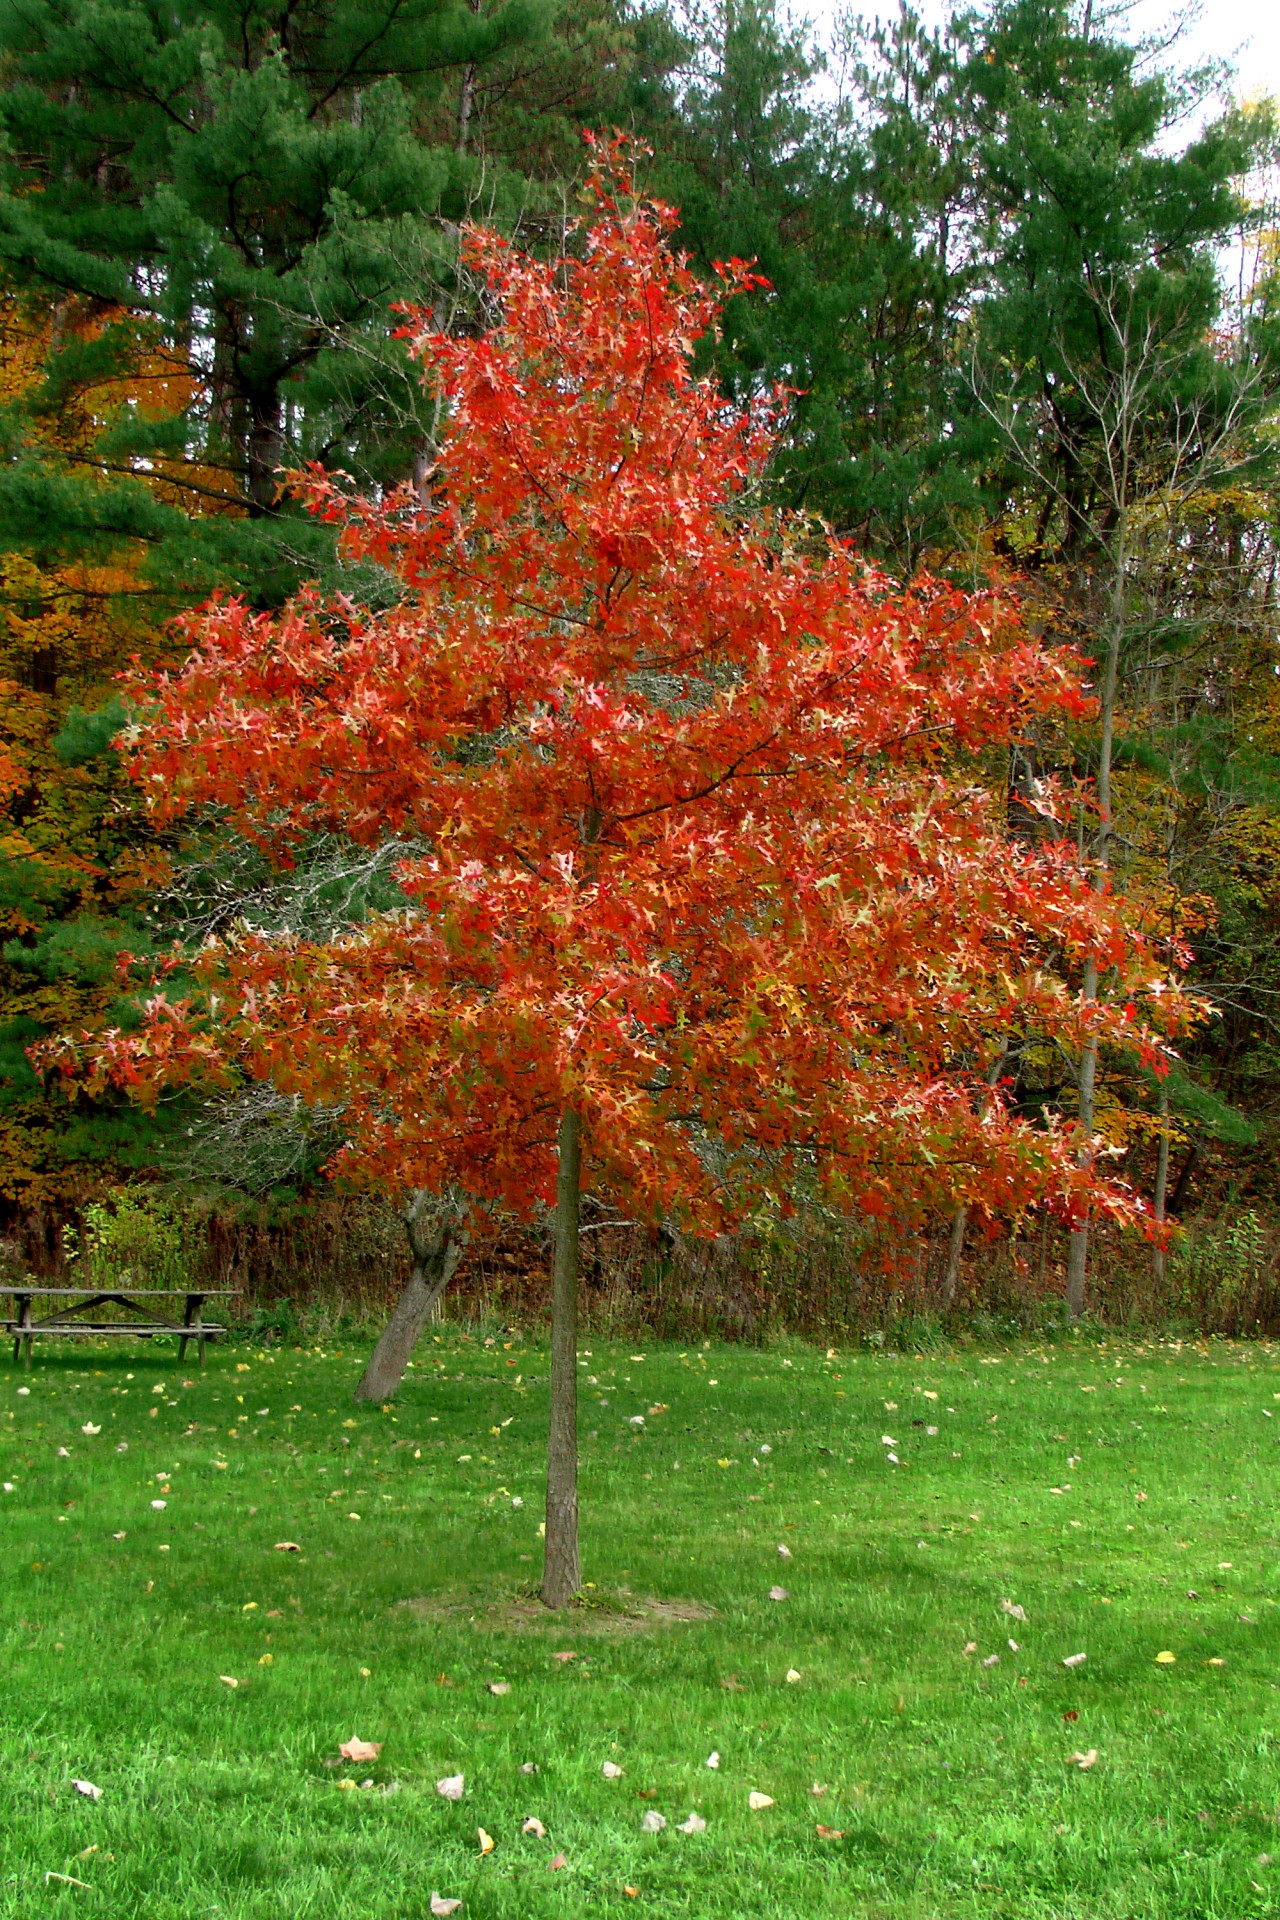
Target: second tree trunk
x=562, y=1568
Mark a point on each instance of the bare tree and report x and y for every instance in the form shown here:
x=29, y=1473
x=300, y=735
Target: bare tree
x=1126, y=438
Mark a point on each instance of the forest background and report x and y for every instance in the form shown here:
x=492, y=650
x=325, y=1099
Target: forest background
x=1023, y=288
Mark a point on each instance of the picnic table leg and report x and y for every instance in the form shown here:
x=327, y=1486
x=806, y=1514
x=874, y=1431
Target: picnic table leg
x=193, y=1319
x=24, y=1335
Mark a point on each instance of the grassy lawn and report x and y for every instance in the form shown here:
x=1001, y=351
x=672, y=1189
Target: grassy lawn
x=1123, y=1496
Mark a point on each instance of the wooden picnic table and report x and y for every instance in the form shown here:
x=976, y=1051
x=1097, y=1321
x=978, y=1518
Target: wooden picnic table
x=135, y=1300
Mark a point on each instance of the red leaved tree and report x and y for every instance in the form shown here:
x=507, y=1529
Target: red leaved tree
x=707, y=904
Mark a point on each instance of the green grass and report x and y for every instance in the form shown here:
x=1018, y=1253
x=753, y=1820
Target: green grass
x=945, y=1777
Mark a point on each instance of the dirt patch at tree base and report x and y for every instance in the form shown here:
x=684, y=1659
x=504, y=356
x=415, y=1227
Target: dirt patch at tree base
x=606, y=1616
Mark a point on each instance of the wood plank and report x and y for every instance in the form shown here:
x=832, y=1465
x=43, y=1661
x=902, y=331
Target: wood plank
x=209, y=1329
x=129, y=1293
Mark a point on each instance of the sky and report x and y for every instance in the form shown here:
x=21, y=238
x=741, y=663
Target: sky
x=1247, y=32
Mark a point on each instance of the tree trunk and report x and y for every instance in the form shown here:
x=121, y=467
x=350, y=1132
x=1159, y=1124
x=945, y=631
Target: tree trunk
x=1162, y=1180
x=1078, y=1242
x=436, y=1254
x=562, y=1568
x=265, y=451
x=1184, y=1175
x=955, y=1247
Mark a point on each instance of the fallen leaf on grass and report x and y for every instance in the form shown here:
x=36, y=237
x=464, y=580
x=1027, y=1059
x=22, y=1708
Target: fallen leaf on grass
x=611, y=1770
x=562, y=1657
x=451, y=1787
x=1014, y=1611
x=758, y=1801
x=356, y=1749
x=784, y=1552
x=1216, y=1661
x=778, y=1593
x=287, y=1546
x=87, y=1788
x=1075, y=1659
x=528, y=1766
x=229, y=1680
x=992, y=1660
x=1166, y=1659
x=732, y=1684
x=499, y=1686
x=440, y=1906
x=632, y=1893
x=712, y=1760
x=694, y=1824
x=89, y=1427
x=828, y=1833
x=485, y=1839
x=819, y=1789
x=534, y=1826
x=652, y=1822
x=560, y=1860
x=66, y=1880
x=970, y=1646
x=1083, y=1760
x=792, y=1676
x=266, y=1660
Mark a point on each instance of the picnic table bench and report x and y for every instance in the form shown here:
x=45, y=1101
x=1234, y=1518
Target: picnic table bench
x=70, y=1320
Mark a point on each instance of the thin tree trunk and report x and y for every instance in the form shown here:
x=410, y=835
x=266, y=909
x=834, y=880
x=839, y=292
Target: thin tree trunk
x=1078, y=1241
x=1162, y=1180
x=1078, y=1244
x=436, y=1248
x=955, y=1245
x=955, y=1248
x=1184, y=1174
x=562, y=1568
x=466, y=100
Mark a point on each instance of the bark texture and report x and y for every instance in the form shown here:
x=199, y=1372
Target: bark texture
x=1162, y=1180
x=562, y=1568
x=955, y=1249
x=960, y=1219
x=1078, y=1243
x=437, y=1235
